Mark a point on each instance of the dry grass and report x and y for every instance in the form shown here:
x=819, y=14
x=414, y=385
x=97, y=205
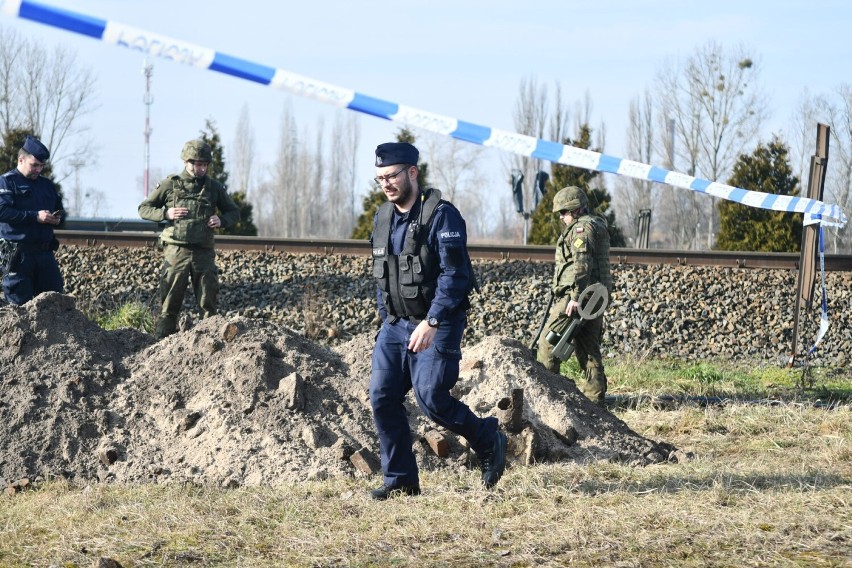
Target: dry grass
x=768, y=486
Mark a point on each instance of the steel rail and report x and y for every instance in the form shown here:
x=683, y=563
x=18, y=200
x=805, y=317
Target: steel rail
x=736, y=259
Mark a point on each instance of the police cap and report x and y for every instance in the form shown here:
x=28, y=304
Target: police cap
x=39, y=151
x=391, y=153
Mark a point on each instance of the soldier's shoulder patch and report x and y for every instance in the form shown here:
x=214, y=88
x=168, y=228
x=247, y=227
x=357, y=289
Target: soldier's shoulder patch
x=579, y=229
x=579, y=244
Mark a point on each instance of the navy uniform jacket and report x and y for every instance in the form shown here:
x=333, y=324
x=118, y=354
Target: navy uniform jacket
x=447, y=237
x=21, y=199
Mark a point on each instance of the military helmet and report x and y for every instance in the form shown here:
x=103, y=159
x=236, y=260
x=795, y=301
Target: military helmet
x=570, y=198
x=197, y=150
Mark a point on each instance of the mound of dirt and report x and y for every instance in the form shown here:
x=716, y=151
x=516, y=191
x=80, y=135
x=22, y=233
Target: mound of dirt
x=237, y=401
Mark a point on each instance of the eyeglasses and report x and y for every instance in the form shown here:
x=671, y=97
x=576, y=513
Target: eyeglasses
x=563, y=212
x=388, y=178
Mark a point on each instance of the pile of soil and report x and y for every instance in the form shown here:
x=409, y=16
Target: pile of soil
x=238, y=401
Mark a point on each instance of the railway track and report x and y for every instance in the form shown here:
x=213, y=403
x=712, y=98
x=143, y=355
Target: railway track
x=787, y=261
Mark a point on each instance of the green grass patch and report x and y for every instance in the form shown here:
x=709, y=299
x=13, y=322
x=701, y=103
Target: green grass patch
x=726, y=379
x=136, y=315
x=772, y=490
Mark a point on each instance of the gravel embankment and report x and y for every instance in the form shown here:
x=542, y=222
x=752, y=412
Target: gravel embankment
x=682, y=312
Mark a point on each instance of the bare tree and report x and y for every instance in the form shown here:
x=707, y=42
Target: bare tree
x=801, y=134
x=559, y=122
x=454, y=168
x=583, y=115
x=314, y=186
x=503, y=226
x=243, y=156
x=309, y=191
x=532, y=116
x=341, y=180
x=716, y=106
x=264, y=202
x=453, y=164
x=10, y=112
x=835, y=110
x=48, y=93
x=94, y=203
x=634, y=195
x=277, y=200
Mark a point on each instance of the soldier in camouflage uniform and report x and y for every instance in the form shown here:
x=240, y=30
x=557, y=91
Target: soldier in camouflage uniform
x=193, y=204
x=582, y=258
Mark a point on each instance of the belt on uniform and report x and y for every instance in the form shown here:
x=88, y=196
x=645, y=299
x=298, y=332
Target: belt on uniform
x=414, y=320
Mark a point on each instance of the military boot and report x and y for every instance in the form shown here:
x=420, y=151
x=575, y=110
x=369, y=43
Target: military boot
x=166, y=326
x=595, y=389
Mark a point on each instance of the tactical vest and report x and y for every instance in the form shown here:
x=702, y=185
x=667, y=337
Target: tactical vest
x=407, y=281
x=200, y=201
x=599, y=270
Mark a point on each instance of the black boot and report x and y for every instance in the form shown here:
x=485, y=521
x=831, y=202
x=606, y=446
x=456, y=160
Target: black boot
x=166, y=326
x=385, y=492
x=493, y=462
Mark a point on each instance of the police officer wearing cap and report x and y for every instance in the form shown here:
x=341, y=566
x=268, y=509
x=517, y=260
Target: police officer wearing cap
x=582, y=258
x=30, y=208
x=424, y=276
x=194, y=205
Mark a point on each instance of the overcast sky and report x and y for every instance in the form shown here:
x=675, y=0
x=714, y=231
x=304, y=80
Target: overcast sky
x=464, y=59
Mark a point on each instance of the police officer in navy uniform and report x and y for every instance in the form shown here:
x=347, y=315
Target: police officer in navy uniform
x=424, y=276
x=30, y=207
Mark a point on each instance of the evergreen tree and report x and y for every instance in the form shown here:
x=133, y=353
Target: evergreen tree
x=603, y=199
x=546, y=226
x=745, y=228
x=245, y=226
x=13, y=140
x=370, y=205
x=374, y=199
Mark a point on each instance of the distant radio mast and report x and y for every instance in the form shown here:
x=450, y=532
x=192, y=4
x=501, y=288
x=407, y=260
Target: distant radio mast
x=148, y=99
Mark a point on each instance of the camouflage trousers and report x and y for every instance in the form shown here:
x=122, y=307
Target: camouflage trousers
x=587, y=348
x=180, y=265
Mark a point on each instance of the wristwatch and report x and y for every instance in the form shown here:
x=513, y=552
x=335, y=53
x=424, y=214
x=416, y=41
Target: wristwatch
x=433, y=322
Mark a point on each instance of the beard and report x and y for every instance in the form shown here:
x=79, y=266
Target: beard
x=403, y=192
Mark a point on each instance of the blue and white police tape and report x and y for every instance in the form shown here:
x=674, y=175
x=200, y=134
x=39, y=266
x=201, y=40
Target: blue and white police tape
x=190, y=54
x=823, y=317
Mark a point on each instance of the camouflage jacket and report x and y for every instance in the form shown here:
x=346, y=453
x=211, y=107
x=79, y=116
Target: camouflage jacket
x=203, y=197
x=582, y=257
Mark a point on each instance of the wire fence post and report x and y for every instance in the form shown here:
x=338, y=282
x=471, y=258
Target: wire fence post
x=807, y=259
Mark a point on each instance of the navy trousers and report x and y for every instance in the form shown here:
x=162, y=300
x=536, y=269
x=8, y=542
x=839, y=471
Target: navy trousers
x=431, y=374
x=33, y=273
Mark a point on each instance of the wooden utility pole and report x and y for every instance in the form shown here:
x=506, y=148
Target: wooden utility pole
x=807, y=260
